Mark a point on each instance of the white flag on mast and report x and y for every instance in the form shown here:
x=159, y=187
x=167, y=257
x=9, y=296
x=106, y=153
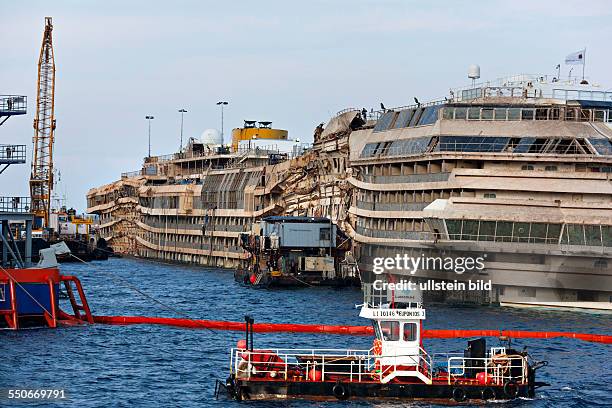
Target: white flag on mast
x=575, y=58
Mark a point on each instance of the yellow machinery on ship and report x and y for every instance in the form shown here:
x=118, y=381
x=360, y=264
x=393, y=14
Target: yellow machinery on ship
x=254, y=130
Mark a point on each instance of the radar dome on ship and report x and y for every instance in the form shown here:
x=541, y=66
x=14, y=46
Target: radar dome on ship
x=474, y=71
x=211, y=137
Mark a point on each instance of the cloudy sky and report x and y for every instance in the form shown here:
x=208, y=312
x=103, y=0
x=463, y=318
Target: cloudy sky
x=294, y=64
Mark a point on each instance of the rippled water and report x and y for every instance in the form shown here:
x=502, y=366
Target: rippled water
x=108, y=366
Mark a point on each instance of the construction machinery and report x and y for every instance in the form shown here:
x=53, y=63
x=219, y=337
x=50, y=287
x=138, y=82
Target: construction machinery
x=41, y=178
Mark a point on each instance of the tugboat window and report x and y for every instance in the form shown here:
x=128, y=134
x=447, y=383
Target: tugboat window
x=390, y=330
x=324, y=234
x=410, y=330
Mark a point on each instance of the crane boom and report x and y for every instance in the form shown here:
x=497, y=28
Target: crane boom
x=41, y=178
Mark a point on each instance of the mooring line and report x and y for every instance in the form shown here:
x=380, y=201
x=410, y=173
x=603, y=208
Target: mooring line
x=134, y=288
x=26, y=291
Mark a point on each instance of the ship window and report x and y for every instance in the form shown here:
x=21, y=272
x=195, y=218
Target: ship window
x=521, y=232
x=385, y=121
x=410, y=331
x=472, y=143
x=487, y=230
x=390, y=330
x=471, y=93
x=403, y=119
x=541, y=114
x=603, y=146
x=376, y=330
x=430, y=115
x=448, y=113
x=600, y=116
x=470, y=231
x=415, y=118
x=552, y=235
x=474, y=113
x=550, y=168
x=489, y=195
x=324, y=234
x=606, y=236
x=409, y=146
x=487, y=114
x=514, y=114
x=454, y=228
x=538, y=233
x=368, y=150
x=500, y=114
x=460, y=113
x=503, y=232
x=593, y=235
x=575, y=234
x=527, y=114
x=527, y=167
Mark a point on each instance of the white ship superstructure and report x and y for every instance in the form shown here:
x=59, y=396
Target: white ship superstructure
x=518, y=171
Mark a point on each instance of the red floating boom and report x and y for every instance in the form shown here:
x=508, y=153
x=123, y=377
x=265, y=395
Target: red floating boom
x=345, y=330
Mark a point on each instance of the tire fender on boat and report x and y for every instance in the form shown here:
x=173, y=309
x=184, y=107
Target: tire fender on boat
x=511, y=389
x=459, y=394
x=488, y=394
x=340, y=391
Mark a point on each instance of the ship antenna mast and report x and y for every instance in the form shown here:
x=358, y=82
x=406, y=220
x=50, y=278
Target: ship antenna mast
x=41, y=178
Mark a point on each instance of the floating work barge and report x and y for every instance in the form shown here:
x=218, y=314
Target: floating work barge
x=517, y=169
x=296, y=251
x=397, y=366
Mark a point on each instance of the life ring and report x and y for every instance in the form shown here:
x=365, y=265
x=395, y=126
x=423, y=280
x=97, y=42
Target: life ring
x=340, y=391
x=487, y=394
x=511, y=389
x=459, y=394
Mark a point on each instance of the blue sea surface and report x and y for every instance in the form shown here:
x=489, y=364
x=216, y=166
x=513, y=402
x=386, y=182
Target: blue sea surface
x=143, y=366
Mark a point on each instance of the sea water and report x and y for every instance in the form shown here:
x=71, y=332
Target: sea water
x=145, y=365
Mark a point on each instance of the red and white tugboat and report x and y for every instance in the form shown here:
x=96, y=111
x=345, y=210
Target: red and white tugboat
x=397, y=366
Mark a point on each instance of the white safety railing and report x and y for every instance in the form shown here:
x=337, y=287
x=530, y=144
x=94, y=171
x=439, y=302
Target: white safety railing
x=328, y=364
x=499, y=369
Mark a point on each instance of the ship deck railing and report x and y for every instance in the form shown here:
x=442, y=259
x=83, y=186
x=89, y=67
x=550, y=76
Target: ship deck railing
x=262, y=151
x=14, y=204
x=12, y=154
x=498, y=368
x=13, y=105
x=354, y=365
x=530, y=86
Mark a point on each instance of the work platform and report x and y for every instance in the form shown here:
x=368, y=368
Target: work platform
x=13, y=105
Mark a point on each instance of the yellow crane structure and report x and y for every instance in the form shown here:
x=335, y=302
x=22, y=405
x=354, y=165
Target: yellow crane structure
x=41, y=178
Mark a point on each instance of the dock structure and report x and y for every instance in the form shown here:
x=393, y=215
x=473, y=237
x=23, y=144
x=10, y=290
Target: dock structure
x=14, y=210
x=516, y=171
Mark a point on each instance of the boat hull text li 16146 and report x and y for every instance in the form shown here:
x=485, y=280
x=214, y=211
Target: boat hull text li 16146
x=397, y=366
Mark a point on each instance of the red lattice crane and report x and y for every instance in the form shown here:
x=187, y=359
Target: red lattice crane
x=41, y=179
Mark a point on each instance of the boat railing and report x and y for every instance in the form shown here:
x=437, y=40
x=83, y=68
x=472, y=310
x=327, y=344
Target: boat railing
x=131, y=174
x=499, y=369
x=13, y=104
x=327, y=364
x=11, y=153
x=15, y=204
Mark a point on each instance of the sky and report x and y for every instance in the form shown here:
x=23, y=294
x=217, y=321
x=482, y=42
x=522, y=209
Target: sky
x=293, y=63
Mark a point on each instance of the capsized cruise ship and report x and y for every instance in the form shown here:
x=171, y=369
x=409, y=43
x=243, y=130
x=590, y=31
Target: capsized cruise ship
x=517, y=171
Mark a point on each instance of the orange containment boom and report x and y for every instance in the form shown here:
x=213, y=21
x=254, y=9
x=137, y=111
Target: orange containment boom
x=344, y=330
